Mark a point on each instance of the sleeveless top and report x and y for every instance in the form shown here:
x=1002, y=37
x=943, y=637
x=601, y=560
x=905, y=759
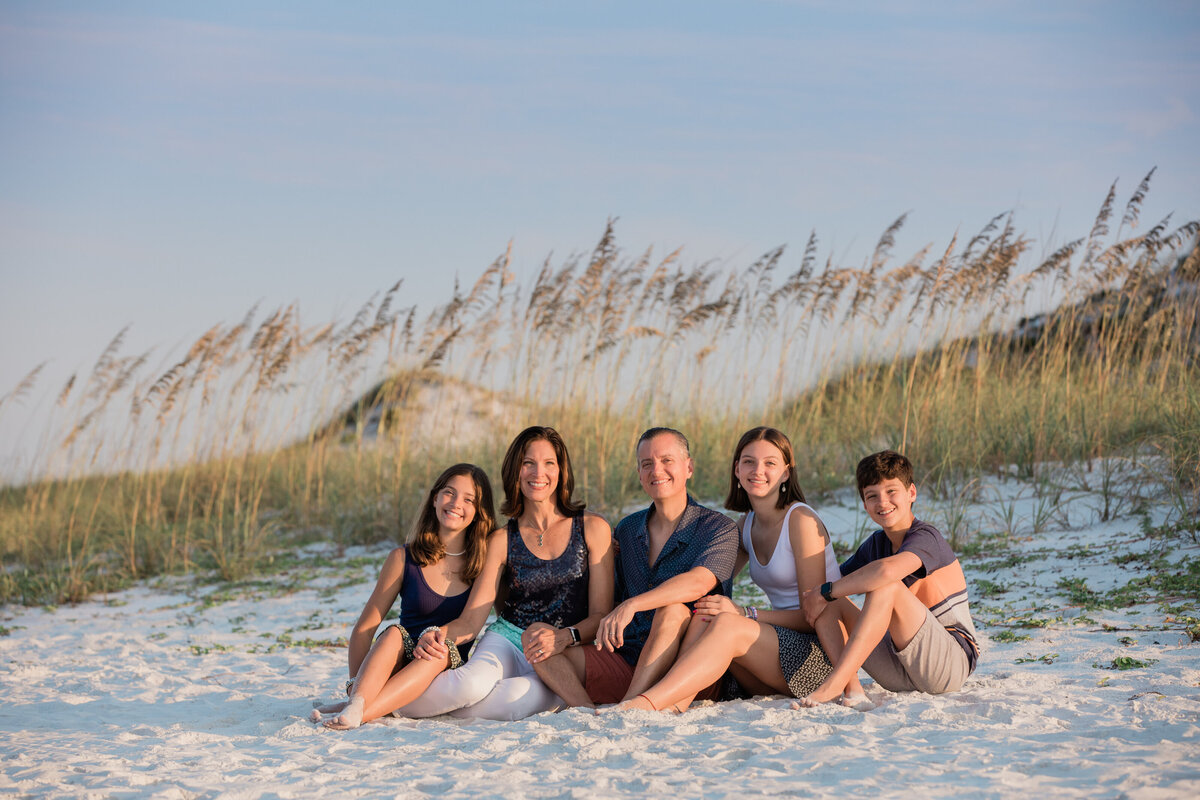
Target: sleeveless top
x=553, y=591
x=421, y=606
x=777, y=578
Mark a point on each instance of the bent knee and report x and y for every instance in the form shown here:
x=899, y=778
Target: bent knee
x=392, y=639
x=675, y=614
x=733, y=625
x=891, y=589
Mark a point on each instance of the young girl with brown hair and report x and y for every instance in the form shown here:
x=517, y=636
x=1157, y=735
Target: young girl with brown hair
x=432, y=576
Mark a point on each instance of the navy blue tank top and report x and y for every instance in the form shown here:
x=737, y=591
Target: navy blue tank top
x=553, y=591
x=421, y=606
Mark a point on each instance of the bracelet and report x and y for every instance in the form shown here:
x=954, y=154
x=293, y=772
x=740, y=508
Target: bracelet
x=827, y=591
x=427, y=630
x=751, y=612
x=350, y=685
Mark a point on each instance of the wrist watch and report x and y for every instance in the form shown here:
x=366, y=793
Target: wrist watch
x=575, y=639
x=827, y=591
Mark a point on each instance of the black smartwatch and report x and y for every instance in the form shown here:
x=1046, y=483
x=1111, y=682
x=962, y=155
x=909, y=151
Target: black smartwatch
x=827, y=591
x=574, y=635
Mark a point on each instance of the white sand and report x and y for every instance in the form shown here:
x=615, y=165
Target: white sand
x=182, y=689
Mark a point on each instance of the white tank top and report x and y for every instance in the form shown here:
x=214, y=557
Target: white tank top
x=777, y=578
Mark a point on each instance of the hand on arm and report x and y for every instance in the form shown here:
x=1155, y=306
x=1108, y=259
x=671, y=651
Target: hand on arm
x=867, y=579
x=712, y=604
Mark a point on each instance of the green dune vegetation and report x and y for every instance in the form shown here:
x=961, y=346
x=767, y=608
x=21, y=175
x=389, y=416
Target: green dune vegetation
x=979, y=356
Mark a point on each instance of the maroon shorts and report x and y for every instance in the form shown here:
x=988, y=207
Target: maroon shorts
x=606, y=675
x=712, y=691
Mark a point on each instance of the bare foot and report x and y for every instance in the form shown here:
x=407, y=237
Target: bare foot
x=822, y=694
x=331, y=708
x=858, y=701
x=351, y=716
x=639, y=703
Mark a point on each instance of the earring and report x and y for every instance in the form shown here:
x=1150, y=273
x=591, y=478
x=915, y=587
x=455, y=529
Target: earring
x=783, y=490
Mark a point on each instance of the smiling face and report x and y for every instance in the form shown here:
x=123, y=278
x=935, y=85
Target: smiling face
x=539, y=471
x=760, y=469
x=454, y=504
x=663, y=467
x=889, y=504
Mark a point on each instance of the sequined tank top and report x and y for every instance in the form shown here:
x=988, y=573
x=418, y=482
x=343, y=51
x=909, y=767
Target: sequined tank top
x=553, y=591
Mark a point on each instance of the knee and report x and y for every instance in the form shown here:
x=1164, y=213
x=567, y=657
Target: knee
x=673, y=616
x=732, y=626
x=887, y=590
x=471, y=688
x=548, y=665
x=391, y=639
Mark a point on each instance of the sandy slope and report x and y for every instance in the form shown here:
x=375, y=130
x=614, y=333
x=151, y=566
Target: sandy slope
x=186, y=689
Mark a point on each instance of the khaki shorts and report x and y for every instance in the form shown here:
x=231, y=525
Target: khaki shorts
x=934, y=662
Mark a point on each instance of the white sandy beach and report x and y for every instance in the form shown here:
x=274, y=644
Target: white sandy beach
x=182, y=689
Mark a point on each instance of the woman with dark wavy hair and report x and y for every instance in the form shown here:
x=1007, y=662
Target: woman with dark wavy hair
x=555, y=564
x=431, y=576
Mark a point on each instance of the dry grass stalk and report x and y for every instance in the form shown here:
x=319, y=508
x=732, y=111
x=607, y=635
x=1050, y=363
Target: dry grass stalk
x=601, y=347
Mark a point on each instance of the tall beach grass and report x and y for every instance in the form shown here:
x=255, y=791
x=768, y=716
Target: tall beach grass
x=973, y=356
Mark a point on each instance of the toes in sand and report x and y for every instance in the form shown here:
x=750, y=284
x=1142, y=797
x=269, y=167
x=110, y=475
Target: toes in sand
x=859, y=701
x=351, y=716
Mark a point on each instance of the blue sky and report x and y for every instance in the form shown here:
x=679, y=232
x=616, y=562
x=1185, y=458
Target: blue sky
x=168, y=165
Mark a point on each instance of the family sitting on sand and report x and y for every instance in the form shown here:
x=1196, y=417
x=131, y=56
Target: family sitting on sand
x=554, y=572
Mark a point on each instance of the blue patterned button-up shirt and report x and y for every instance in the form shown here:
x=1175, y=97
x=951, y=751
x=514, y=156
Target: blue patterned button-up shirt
x=703, y=538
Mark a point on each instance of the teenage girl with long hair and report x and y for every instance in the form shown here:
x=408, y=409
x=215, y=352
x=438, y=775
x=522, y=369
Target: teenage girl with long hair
x=432, y=577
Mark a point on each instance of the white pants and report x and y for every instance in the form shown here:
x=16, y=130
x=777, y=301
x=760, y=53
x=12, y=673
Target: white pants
x=496, y=683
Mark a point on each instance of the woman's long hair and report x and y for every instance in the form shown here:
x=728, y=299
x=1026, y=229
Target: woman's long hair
x=510, y=473
x=425, y=546
x=790, y=491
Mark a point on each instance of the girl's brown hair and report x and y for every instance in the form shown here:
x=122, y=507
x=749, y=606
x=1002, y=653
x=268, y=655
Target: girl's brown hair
x=510, y=472
x=789, y=491
x=425, y=546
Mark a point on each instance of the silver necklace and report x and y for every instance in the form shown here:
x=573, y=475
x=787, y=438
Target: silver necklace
x=463, y=553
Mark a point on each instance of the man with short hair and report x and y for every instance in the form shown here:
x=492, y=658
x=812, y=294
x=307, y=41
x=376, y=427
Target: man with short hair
x=670, y=554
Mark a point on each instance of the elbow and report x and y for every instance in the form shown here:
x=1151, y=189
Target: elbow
x=704, y=585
